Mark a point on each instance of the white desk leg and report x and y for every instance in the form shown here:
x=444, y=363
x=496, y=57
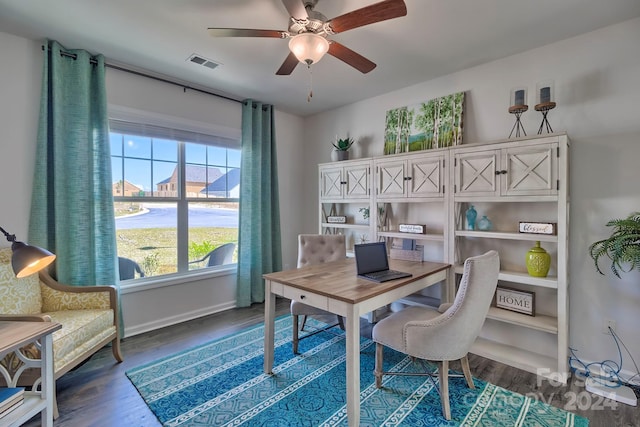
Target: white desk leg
x=46, y=359
x=449, y=286
x=269, y=326
x=353, y=367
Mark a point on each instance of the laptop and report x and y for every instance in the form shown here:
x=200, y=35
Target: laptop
x=372, y=263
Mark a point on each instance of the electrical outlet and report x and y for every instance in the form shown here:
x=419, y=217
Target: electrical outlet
x=606, y=324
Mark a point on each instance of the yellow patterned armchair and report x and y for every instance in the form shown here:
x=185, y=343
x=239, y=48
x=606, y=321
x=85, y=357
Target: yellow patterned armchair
x=88, y=315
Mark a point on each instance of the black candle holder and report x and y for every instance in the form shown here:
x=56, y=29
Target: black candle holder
x=517, y=110
x=544, y=108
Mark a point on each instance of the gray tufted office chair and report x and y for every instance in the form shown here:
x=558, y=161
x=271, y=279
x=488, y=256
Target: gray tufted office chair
x=315, y=249
x=445, y=334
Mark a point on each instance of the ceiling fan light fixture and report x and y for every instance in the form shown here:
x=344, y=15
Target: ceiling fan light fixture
x=309, y=48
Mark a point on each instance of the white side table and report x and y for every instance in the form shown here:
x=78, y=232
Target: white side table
x=13, y=336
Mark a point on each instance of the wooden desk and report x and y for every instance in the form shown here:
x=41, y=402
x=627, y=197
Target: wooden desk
x=13, y=336
x=335, y=287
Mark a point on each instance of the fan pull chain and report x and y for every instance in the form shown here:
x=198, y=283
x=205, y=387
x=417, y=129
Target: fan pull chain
x=310, y=84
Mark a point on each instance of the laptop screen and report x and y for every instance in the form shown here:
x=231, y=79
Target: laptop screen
x=371, y=257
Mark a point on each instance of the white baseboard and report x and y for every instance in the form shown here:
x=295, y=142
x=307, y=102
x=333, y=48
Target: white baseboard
x=173, y=320
x=595, y=371
x=613, y=391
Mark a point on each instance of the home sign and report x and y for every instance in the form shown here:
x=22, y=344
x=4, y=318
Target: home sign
x=516, y=300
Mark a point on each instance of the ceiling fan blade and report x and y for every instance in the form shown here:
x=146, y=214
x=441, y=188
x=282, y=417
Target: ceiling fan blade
x=387, y=9
x=296, y=8
x=350, y=57
x=288, y=65
x=245, y=32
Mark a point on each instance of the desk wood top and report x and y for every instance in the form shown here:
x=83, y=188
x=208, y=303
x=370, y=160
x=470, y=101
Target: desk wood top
x=338, y=279
x=14, y=335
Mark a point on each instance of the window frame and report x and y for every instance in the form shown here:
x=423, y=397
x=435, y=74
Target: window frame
x=207, y=134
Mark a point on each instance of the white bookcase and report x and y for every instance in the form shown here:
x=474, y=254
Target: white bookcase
x=509, y=181
x=345, y=189
x=410, y=189
x=513, y=181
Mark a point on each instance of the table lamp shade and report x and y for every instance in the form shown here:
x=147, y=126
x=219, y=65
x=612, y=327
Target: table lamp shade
x=27, y=259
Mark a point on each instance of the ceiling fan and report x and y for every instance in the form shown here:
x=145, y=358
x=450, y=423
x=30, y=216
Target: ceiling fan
x=308, y=31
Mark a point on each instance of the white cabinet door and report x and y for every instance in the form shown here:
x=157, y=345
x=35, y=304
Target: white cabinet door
x=331, y=183
x=426, y=175
x=356, y=182
x=530, y=170
x=414, y=176
x=477, y=173
x=349, y=180
x=390, y=179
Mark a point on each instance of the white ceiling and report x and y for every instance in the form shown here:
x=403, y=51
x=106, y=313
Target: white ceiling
x=437, y=37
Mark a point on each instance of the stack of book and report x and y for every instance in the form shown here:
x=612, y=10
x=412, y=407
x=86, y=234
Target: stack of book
x=10, y=399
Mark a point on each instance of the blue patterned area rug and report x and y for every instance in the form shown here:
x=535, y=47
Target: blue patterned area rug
x=222, y=384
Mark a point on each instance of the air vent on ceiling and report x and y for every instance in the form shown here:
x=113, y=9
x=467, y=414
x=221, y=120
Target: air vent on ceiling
x=201, y=60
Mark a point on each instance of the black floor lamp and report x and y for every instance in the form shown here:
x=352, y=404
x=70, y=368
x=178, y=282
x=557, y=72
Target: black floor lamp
x=27, y=259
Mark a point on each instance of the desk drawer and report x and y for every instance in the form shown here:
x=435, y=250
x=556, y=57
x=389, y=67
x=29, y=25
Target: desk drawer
x=314, y=300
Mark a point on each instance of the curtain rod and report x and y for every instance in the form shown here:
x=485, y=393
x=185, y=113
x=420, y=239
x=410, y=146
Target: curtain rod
x=141, y=74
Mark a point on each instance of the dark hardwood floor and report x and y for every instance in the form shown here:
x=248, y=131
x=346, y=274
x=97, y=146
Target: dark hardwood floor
x=99, y=394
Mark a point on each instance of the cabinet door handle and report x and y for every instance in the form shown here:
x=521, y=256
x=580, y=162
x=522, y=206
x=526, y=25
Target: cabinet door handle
x=501, y=172
x=407, y=178
x=343, y=182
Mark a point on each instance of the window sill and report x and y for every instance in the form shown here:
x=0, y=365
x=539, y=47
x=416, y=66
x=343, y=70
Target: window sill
x=145, y=284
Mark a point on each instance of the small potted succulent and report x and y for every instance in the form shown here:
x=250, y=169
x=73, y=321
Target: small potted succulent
x=622, y=247
x=342, y=148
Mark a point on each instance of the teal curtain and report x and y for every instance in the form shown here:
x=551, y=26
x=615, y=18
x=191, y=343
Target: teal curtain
x=72, y=204
x=259, y=247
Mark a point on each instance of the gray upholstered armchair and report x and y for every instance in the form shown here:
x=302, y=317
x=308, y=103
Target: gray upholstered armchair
x=315, y=249
x=446, y=334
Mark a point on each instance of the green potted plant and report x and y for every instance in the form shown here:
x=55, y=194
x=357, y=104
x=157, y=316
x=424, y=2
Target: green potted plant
x=342, y=148
x=622, y=247
x=382, y=218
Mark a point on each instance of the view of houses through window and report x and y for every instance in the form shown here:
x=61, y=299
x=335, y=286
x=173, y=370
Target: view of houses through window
x=176, y=204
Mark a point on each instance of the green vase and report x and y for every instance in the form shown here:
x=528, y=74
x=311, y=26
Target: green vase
x=538, y=261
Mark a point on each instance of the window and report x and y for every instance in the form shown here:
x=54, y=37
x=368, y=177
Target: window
x=176, y=197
